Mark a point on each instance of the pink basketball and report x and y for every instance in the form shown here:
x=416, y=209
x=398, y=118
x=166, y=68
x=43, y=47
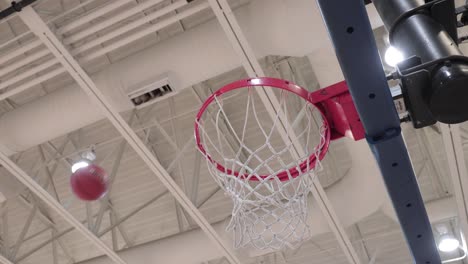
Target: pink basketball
x=89, y=183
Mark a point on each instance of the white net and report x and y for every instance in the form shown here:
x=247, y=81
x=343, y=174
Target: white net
x=260, y=171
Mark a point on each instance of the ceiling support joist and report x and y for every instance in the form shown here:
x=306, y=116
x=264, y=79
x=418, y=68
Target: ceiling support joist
x=104, y=203
x=4, y=260
x=57, y=207
x=45, y=218
x=5, y=231
x=458, y=171
x=99, y=234
x=37, y=25
x=234, y=33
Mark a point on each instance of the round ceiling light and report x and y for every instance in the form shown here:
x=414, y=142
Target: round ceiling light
x=393, y=56
x=448, y=243
x=78, y=165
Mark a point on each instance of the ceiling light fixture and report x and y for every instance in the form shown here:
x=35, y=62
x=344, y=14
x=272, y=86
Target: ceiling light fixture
x=448, y=243
x=87, y=158
x=393, y=56
x=79, y=164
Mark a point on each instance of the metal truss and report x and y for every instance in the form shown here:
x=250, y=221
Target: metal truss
x=42, y=31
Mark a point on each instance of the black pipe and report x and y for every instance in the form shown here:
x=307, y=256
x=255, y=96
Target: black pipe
x=420, y=34
x=15, y=7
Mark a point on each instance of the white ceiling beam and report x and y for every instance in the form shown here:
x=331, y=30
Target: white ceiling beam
x=89, y=215
x=132, y=26
x=374, y=257
x=54, y=249
x=179, y=212
x=175, y=161
x=5, y=230
x=24, y=231
x=122, y=231
x=20, y=51
x=14, y=40
x=99, y=234
x=28, y=73
x=144, y=32
x=111, y=140
x=234, y=33
x=176, y=142
x=457, y=170
x=37, y=25
x=132, y=213
x=23, y=62
x=79, y=5
x=164, y=134
x=111, y=21
x=36, y=189
x=91, y=16
x=4, y=260
x=45, y=243
x=48, y=172
x=104, y=202
x=115, y=242
x=209, y=196
x=195, y=182
x=28, y=84
x=45, y=218
x=29, y=16
x=428, y=150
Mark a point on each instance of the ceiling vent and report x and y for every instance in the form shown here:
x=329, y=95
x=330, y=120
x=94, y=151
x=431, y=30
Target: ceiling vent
x=152, y=91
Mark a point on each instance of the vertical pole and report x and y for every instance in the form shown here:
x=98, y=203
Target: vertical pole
x=351, y=33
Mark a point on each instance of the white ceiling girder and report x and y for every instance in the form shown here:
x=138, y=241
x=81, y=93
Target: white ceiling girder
x=113, y=20
x=35, y=188
x=234, y=33
x=4, y=260
x=37, y=25
x=90, y=17
x=458, y=171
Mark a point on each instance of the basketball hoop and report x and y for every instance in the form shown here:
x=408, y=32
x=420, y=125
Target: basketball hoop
x=248, y=157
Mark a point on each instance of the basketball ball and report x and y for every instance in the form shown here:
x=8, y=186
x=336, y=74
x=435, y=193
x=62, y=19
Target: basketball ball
x=89, y=183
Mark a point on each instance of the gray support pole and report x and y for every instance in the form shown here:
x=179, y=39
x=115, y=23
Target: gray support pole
x=352, y=36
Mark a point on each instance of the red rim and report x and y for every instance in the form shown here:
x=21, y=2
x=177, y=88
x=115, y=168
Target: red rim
x=274, y=83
